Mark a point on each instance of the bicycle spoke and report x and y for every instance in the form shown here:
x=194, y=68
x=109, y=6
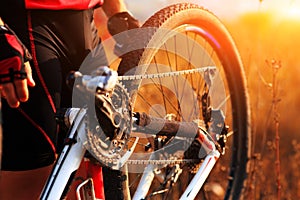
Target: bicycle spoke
x=193, y=74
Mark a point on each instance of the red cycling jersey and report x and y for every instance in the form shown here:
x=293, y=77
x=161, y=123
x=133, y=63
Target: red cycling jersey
x=62, y=4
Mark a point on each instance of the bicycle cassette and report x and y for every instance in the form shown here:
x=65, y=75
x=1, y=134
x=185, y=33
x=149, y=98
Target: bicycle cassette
x=108, y=129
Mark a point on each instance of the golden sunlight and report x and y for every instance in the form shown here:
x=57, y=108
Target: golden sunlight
x=293, y=12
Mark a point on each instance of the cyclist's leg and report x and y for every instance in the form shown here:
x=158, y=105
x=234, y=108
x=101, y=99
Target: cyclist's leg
x=28, y=151
x=29, y=130
x=23, y=184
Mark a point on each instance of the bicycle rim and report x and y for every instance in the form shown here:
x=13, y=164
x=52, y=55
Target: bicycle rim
x=168, y=52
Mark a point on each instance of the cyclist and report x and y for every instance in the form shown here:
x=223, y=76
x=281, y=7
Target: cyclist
x=56, y=36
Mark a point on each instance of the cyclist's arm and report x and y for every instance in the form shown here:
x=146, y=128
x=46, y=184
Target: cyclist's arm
x=119, y=19
x=13, y=83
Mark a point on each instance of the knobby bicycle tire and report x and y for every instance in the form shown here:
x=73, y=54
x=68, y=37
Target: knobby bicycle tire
x=192, y=19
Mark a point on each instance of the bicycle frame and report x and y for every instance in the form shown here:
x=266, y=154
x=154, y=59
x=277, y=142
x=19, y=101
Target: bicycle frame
x=73, y=152
x=69, y=159
x=198, y=180
x=200, y=177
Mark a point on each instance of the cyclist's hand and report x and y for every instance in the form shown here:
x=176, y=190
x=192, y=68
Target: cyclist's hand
x=118, y=23
x=15, y=76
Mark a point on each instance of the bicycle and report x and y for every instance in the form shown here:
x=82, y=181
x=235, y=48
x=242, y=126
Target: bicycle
x=183, y=114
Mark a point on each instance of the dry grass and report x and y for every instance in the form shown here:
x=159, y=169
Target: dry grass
x=262, y=37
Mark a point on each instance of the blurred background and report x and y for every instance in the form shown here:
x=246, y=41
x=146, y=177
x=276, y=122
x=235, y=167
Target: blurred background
x=267, y=34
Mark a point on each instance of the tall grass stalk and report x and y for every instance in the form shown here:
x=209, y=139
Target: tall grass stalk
x=276, y=65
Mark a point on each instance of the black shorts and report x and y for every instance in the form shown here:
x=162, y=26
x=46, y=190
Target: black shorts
x=59, y=42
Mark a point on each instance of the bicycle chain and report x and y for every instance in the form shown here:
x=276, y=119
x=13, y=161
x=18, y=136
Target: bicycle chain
x=160, y=162
x=165, y=74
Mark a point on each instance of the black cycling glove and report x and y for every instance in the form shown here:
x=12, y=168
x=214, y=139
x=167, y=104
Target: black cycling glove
x=13, y=54
x=121, y=23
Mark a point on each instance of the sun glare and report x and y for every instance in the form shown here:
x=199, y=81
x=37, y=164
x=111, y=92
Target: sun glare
x=293, y=12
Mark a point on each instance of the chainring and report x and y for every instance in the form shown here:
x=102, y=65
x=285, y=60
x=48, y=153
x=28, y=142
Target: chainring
x=111, y=152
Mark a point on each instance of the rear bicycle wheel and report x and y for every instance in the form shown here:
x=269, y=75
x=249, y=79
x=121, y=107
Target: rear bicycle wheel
x=191, y=70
